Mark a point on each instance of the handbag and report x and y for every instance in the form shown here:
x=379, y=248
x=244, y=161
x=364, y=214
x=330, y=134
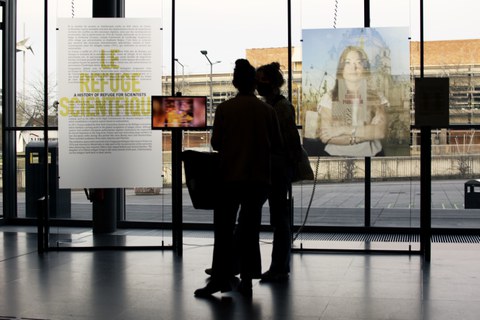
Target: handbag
x=202, y=177
x=303, y=169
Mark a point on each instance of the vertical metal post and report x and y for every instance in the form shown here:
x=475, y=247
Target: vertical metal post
x=107, y=204
x=366, y=13
x=45, y=208
x=290, y=88
x=289, y=35
x=42, y=216
x=177, y=205
x=368, y=160
x=368, y=192
x=177, y=217
x=425, y=168
x=425, y=192
x=173, y=47
x=9, y=66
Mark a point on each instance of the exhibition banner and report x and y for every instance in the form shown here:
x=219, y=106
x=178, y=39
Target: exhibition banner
x=356, y=91
x=108, y=69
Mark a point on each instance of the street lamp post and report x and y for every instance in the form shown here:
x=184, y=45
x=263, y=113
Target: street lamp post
x=204, y=52
x=183, y=75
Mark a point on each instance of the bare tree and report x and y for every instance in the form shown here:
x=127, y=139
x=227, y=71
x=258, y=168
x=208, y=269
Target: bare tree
x=30, y=104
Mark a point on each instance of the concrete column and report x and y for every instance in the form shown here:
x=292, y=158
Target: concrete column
x=106, y=207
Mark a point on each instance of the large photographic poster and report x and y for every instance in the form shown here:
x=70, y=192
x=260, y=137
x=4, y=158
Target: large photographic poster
x=108, y=69
x=356, y=91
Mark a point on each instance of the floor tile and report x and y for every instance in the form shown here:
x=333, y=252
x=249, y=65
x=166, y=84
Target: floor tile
x=155, y=284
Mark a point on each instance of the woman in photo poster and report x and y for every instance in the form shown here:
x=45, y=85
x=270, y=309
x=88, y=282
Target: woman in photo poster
x=383, y=78
x=352, y=116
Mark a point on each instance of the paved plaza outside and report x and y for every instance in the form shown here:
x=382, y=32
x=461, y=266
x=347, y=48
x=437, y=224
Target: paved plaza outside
x=393, y=204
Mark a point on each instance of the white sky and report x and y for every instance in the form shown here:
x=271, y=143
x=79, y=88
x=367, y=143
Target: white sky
x=225, y=28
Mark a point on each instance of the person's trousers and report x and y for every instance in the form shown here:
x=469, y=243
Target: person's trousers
x=249, y=199
x=281, y=220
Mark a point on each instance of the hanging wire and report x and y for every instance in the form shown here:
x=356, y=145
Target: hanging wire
x=335, y=12
x=317, y=165
x=299, y=231
x=73, y=8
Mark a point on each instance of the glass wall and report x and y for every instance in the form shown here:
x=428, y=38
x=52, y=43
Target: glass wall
x=30, y=98
x=395, y=180
x=225, y=31
x=205, y=50
x=455, y=149
x=395, y=186
x=339, y=193
x=30, y=91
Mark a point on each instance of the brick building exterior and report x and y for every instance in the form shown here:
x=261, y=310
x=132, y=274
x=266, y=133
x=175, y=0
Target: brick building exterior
x=457, y=59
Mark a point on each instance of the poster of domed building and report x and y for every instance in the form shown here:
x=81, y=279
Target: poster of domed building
x=356, y=91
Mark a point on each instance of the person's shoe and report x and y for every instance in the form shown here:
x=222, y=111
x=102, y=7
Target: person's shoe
x=245, y=288
x=271, y=276
x=211, y=288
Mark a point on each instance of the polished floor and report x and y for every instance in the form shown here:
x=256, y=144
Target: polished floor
x=159, y=285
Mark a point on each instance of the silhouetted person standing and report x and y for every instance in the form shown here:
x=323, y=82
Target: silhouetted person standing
x=269, y=82
x=246, y=135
